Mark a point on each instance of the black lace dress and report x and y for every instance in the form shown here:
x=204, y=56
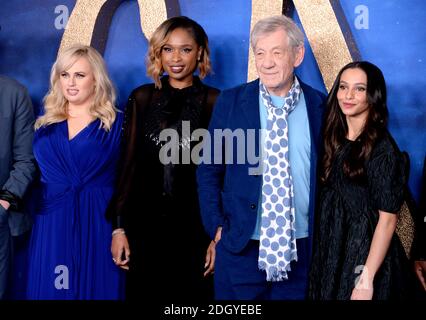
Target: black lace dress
x=156, y=202
x=345, y=222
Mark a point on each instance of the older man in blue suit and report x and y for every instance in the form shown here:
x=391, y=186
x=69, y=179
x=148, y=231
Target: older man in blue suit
x=262, y=220
x=17, y=168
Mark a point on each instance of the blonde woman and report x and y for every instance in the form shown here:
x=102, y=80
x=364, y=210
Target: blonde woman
x=76, y=145
x=155, y=210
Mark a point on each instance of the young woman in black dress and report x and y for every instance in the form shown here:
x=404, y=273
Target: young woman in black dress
x=357, y=254
x=155, y=210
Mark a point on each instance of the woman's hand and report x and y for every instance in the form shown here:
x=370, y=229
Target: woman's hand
x=364, y=288
x=382, y=237
x=362, y=294
x=120, y=246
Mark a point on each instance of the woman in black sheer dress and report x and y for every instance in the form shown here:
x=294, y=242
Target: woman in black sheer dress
x=155, y=210
x=357, y=254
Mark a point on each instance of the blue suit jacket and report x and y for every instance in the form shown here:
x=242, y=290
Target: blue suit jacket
x=228, y=194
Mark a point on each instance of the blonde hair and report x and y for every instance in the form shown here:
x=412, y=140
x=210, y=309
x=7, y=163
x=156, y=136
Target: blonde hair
x=160, y=37
x=55, y=104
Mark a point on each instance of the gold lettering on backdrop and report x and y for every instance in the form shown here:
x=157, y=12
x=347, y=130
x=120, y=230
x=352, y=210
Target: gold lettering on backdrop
x=322, y=30
x=260, y=9
x=325, y=37
x=82, y=21
x=317, y=16
x=152, y=14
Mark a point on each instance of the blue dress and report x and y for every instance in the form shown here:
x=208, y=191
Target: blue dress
x=70, y=255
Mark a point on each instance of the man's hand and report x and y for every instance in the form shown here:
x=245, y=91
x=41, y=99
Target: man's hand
x=210, y=258
x=211, y=253
x=4, y=204
x=218, y=235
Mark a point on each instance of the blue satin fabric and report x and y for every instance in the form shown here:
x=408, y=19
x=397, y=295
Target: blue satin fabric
x=70, y=254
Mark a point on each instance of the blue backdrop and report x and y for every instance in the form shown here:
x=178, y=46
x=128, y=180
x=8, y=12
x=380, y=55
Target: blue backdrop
x=394, y=40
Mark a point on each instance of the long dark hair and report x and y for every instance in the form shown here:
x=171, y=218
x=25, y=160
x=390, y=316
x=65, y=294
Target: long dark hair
x=336, y=128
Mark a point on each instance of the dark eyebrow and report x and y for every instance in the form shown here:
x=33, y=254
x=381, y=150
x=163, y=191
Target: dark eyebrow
x=358, y=83
x=181, y=46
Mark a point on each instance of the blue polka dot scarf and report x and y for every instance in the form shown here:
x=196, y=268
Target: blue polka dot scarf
x=277, y=246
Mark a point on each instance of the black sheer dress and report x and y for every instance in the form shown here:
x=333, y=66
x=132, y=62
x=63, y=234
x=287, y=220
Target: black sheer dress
x=345, y=222
x=157, y=203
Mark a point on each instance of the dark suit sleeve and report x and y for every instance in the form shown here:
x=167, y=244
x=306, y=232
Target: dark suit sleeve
x=211, y=171
x=23, y=166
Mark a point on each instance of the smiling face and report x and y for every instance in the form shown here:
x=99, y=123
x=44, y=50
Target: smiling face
x=275, y=61
x=352, y=94
x=179, y=57
x=78, y=83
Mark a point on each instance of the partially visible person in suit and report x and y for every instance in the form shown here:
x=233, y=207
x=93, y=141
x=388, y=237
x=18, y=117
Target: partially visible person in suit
x=155, y=210
x=17, y=168
x=262, y=221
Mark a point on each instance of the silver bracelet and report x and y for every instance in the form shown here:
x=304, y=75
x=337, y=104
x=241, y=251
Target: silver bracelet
x=117, y=231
